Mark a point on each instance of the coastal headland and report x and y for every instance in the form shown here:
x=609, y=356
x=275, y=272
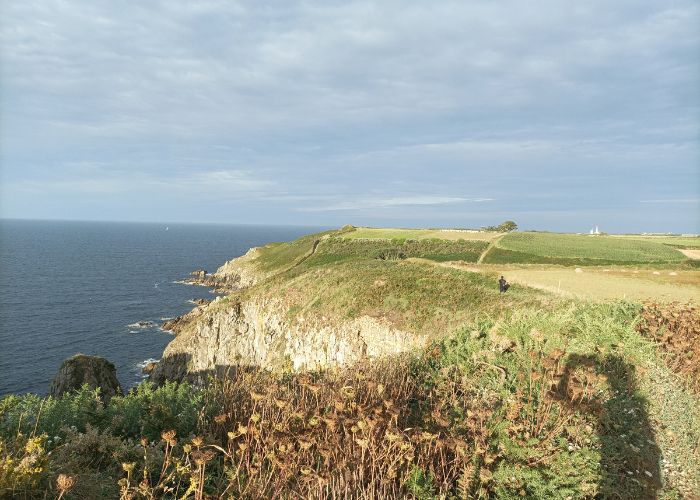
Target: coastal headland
x=386, y=362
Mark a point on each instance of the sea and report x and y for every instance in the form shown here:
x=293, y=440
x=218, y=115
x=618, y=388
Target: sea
x=84, y=287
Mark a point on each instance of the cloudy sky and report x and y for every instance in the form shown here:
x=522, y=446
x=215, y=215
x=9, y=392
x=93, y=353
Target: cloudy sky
x=558, y=115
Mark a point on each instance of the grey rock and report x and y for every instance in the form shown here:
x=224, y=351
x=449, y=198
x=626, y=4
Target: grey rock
x=91, y=370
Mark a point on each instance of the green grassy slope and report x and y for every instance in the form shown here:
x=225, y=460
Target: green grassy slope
x=418, y=234
x=434, y=249
x=579, y=250
x=673, y=241
x=421, y=298
x=279, y=256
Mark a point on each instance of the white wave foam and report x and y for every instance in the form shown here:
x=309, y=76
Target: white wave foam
x=142, y=324
x=143, y=364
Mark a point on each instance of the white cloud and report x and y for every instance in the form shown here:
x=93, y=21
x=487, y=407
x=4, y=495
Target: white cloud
x=379, y=202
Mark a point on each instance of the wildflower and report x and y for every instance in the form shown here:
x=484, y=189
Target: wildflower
x=64, y=483
x=202, y=457
x=128, y=467
x=197, y=441
x=220, y=419
x=364, y=443
x=392, y=437
x=168, y=435
x=348, y=391
x=256, y=396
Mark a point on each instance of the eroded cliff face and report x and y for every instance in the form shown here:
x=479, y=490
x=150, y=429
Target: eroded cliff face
x=259, y=332
x=238, y=273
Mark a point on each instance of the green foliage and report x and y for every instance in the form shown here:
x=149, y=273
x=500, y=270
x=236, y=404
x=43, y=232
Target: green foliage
x=503, y=227
x=421, y=484
x=433, y=249
x=32, y=414
x=280, y=256
x=568, y=249
x=147, y=410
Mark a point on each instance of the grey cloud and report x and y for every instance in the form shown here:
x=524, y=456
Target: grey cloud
x=587, y=102
x=384, y=202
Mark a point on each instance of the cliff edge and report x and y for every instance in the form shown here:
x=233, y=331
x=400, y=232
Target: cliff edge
x=324, y=300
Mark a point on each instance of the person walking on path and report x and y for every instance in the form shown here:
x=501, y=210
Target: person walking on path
x=502, y=285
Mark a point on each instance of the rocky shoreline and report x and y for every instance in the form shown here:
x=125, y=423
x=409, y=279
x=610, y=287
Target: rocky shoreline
x=248, y=329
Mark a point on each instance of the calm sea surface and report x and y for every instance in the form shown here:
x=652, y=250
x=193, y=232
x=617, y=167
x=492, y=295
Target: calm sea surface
x=68, y=287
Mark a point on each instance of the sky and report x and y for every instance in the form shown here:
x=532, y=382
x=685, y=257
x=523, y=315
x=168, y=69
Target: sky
x=558, y=115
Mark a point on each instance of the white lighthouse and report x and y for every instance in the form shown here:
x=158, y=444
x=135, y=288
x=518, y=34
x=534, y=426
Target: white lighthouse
x=595, y=230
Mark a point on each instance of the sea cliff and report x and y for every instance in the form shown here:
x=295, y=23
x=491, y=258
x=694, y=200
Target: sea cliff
x=321, y=301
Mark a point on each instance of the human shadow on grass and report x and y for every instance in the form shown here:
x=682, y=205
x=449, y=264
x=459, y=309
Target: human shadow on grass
x=629, y=454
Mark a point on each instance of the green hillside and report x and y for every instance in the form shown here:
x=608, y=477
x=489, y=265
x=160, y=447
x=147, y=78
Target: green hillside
x=573, y=249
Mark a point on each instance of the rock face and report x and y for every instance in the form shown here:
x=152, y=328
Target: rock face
x=176, y=324
x=199, y=274
x=92, y=370
x=257, y=332
x=148, y=369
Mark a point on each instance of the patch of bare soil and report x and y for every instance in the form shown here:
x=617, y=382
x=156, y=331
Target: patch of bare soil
x=690, y=253
x=676, y=327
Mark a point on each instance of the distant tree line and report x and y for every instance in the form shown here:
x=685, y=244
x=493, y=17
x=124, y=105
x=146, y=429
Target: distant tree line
x=503, y=227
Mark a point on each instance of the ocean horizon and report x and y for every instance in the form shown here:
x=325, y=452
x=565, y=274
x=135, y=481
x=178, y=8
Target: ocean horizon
x=70, y=287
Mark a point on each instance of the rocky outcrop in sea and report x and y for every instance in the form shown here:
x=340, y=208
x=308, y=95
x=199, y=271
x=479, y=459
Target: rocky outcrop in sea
x=82, y=369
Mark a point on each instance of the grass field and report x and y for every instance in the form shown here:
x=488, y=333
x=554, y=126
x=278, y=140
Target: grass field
x=420, y=234
x=579, y=249
x=674, y=241
x=594, y=283
x=599, y=285
x=334, y=249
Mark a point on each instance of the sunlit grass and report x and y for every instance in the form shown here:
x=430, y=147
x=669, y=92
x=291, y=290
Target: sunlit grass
x=420, y=234
x=582, y=249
